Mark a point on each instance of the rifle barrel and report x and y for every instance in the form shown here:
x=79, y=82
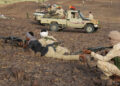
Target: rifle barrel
x=2, y=37
x=99, y=48
x=92, y=49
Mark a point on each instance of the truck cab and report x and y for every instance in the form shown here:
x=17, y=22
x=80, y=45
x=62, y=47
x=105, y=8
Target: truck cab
x=75, y=19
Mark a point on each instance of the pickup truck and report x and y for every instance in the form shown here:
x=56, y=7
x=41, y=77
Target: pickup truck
x=72, y=19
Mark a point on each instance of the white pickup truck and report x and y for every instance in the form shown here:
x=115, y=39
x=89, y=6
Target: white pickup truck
x=73, y=19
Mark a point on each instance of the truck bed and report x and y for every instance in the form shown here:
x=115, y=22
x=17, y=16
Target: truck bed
x=50, y=20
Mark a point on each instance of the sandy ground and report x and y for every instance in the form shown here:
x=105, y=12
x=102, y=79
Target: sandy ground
x=20, y=68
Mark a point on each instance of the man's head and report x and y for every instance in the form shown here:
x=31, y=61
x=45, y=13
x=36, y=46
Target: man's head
x=43, y=33
x=72, y=7
x=29, y=35
x=90, y=12
x=114, y=37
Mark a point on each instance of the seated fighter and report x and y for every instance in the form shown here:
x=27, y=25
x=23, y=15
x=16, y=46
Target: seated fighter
x=104, y=62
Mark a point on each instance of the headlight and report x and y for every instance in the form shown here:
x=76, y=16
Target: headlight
x=95, y=25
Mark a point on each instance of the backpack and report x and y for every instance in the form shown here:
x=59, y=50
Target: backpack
x=117, y=62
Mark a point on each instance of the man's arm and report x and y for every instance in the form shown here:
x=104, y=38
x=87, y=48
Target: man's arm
x=111, y=54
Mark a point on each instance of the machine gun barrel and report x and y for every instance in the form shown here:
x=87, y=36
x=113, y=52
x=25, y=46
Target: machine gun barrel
x=98, y=48
x=15, y=41
x=95, y=49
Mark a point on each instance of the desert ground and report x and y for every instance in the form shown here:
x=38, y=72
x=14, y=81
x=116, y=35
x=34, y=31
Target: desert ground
x=21, y=68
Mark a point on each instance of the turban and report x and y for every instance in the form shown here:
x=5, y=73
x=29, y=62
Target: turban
x=44, y=33
x=114, y=36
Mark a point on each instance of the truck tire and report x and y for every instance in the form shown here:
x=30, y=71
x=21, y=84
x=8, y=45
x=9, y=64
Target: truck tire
x=89, y=28
x=54, y=27
x=39, y=22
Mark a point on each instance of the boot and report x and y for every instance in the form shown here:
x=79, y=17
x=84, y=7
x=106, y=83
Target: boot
x=115, y=78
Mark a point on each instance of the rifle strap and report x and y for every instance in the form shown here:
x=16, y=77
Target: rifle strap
x=52, y=45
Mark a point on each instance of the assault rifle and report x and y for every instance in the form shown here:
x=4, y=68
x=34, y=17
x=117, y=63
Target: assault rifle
x=55, y=44
x=12, y=40
x=99, y=48
x=93, y=49
x=89, y=50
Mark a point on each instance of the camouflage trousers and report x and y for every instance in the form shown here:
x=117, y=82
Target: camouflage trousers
x=108, y=69
x=62, y=50
x=59, y=55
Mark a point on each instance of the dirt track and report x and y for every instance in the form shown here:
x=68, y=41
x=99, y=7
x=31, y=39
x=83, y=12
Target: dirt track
x=48, y=71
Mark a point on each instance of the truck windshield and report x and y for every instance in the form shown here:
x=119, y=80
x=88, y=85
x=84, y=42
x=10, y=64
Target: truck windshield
x=82, y=16
x=74, y=15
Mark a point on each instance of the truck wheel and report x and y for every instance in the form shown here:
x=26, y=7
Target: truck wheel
x=39, y=22
x=54, y=27
x=89, y=28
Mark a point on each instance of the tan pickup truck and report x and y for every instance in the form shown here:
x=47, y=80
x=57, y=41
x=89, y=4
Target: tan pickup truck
x=73, y=19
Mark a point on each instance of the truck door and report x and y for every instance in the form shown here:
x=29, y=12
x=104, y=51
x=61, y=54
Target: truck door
x=74, y=20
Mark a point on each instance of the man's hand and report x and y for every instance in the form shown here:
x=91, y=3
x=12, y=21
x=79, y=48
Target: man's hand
x=21, y=44
x=82, y=57
x=87, y=51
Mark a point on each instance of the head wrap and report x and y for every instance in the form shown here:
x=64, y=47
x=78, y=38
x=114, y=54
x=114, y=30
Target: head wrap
x=28, y=35
x=114, y=36
x=72, y=7
x=44, y=33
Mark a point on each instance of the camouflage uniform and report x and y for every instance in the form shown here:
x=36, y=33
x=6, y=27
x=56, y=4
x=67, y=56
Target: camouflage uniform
x=52, y=53
x=56, y=51
x=51, y=11
x=104, y=64
x=59, y=13
x=47, y=15
x=50, y=40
